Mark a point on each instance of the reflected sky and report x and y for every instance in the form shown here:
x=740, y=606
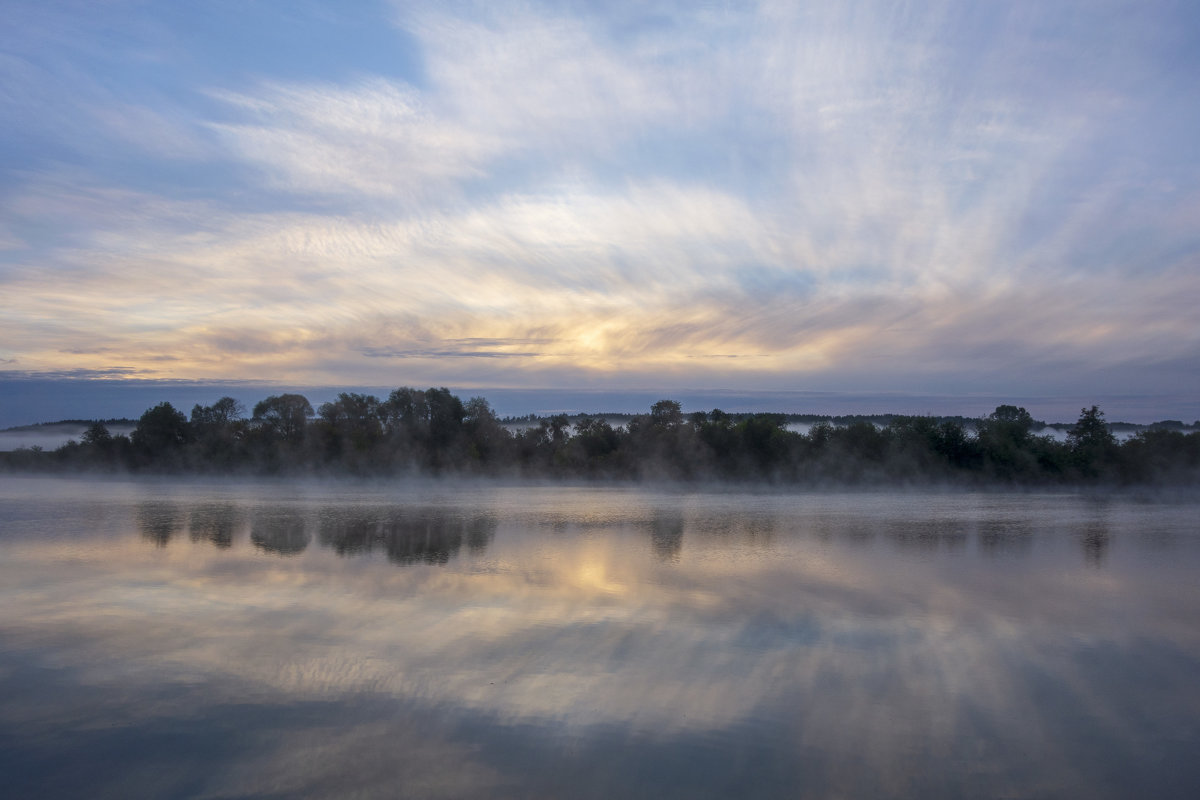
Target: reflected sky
x=275, y=639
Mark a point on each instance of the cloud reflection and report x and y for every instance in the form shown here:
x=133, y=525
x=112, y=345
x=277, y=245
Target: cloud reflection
x=866, y=629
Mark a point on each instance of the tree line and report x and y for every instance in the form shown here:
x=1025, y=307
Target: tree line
x=434, y=432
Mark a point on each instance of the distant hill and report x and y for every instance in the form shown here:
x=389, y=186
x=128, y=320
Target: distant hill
x=122, y=422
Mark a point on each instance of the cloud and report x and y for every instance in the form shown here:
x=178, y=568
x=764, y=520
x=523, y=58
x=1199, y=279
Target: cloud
x=470, y=347
x=779, y=194
x=167, y=133
x=377, y=138
x=508, y=89
x=597, y=635
x=73, y=374
x=541, y=77
x=661, y=280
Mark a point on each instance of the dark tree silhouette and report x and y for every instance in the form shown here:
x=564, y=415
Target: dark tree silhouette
x=488, y=438
x=284, y=416
x=446, y=415
x=666, y=414
x=434, y=431
x=224, y=412
x=1091, y=442
x=97, y=435
x=352, y=421
x=162, y=430
x=1004, y=438
x=219, y=431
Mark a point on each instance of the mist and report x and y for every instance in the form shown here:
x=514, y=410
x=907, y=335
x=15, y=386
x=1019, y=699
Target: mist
x=433, y=432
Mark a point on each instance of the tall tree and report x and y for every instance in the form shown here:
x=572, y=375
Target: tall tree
x=285, y=416
x=161, y=430
x=1092, y=444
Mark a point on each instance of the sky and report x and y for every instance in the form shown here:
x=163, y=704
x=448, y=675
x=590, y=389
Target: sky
x=861, y=199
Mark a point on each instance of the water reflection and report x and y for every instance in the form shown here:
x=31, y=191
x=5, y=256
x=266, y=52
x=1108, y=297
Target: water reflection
x=1010, y=539
x=836, y=531
x=1093, y=531
x=436, y=535
x=407, y=537
x=281, y=531
x=159, y=522
x=1095, y=542
x=666, y=537
x=557, y=643
x=927, y=536
x=214, y=524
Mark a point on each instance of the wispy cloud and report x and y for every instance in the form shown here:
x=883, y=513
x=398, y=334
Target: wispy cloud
x=782, y=195
x=376, y=138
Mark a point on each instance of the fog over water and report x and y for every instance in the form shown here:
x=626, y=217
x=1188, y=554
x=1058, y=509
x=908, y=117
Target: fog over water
x=264, y=639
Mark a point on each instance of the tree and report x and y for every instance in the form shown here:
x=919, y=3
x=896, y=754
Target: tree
x=484, y=431
x=97, y=436
x=1091, y=432
x=559, y=427
x=1092, y=444
x=595, y=439
x=446, y=415
x=161, y=430
x=405, y=413
x=284, y=416
x=353, y=418
x=1004, y=439
x=220, y=414
x=100, y=447
x=667, y=414
x=1013, y=422
x=219, y=430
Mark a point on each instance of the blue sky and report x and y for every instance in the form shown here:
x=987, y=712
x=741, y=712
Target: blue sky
x=938, y=199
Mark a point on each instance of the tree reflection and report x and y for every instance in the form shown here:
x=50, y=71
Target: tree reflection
x=347, y=531
x=755, y=531
x=1094, y=532
x=431, y=540
x=214, y=524
x=998, y=539
x=928, y=535
x=480, y=533
x=666, y=536
x=159, y=522
x=282, y=532
x=1095, y=542
x=827, y=531
x=407, y=537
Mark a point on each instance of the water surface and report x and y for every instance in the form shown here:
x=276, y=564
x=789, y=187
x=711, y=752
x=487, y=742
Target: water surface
x=263, y=640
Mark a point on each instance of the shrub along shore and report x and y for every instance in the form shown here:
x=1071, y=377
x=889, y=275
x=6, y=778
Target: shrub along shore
x=433, y=432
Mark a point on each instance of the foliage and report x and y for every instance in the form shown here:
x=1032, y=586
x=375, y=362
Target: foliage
x=432, y=431
x=284, y=417
x=161, y=433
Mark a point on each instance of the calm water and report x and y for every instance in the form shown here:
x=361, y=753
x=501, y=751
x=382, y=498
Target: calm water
x=269, y=640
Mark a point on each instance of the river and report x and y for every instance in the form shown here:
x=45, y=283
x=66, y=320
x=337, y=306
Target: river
x=259, y=639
